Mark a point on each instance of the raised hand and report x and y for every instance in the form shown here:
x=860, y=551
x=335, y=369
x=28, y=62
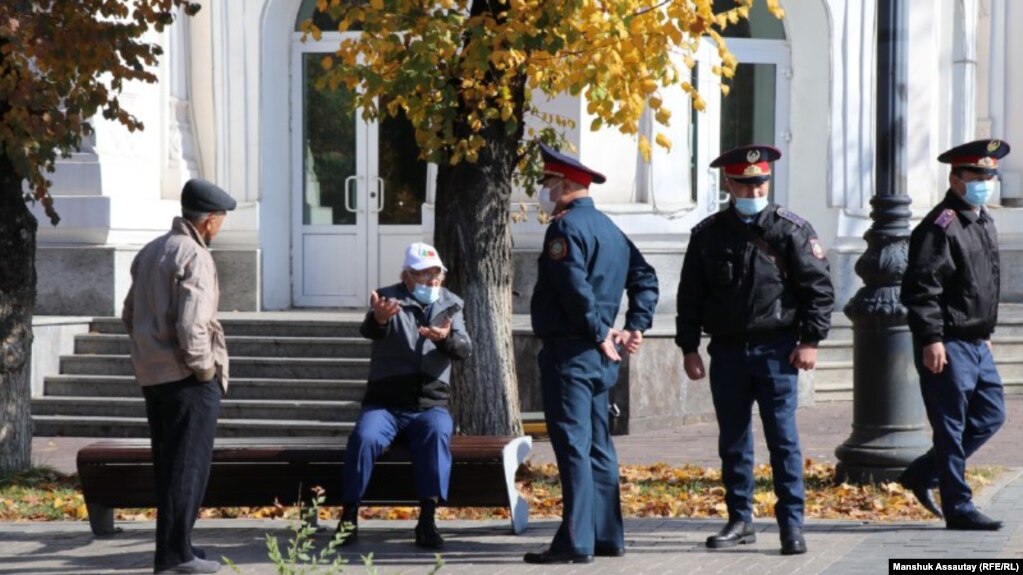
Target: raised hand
x=383, y=308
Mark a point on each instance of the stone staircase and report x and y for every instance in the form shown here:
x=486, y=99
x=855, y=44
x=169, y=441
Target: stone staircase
x=833, y=378
x=289, y=377
x=304, y=373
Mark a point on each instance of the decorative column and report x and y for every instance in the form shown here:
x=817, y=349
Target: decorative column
x=888, y=413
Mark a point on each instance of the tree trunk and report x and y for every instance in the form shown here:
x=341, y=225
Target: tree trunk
x=474, y=239
x=17, y=300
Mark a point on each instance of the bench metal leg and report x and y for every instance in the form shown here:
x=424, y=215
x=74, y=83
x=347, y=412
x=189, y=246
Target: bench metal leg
x=101, y=520
x=514, y=454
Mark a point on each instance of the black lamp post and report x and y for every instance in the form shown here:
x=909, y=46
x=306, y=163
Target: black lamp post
x=888, y=413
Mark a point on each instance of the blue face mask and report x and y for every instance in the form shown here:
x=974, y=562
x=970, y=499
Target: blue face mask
x=425, y=294
x=979, y=192
x=750, y=206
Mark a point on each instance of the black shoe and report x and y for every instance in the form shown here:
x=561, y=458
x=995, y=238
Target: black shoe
x=792, y=542
x=923, y=495
x=428, y=537
x=609, y=551
x=733, y=534
x=549, y=557
x=972, y=521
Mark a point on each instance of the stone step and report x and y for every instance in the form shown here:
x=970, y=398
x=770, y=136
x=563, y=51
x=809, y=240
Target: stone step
x=836, y=350
x=242, y=346
x=843, y=390
x=242, y=367
x=258, y=327
x=88, y=426
x=255, y=409
x=241, y=388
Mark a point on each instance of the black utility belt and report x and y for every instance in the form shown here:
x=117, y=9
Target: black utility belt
x=755, y=338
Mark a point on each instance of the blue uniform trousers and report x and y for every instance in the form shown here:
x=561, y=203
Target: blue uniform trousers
x=966, y=406
x=739, y=375
x=575, y=378
x=429, y=438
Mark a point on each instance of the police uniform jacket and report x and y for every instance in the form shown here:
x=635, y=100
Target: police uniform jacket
x=951, y=285
x=746, y=280
x=406, y=370
x=586, y=265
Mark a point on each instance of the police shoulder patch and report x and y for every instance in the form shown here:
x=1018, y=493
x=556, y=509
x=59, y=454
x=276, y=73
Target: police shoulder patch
x=557, y=248
x=945, y=218
x=784, y=213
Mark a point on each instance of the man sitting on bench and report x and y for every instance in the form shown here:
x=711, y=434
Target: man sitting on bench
x=417, y=328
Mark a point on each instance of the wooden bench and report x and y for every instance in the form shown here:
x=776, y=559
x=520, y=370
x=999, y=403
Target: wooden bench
x=259, y=471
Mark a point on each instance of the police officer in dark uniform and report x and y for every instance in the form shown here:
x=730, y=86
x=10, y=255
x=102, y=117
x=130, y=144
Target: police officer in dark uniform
x=586, y=265
x=951, y=289
x=756, y=280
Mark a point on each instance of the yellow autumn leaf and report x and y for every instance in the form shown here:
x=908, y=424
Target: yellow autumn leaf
x=663, y=141
x=644, y=147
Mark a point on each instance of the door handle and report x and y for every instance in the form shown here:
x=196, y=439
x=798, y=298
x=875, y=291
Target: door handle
x=380, y=195
x=348, y=189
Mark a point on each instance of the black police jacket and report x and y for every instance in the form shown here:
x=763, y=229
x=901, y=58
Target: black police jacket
x=743, y=280
x=951, y=284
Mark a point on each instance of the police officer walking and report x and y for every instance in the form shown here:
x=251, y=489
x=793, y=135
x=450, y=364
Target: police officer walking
x=951, y=290
x=586, y=265
x=756, y=280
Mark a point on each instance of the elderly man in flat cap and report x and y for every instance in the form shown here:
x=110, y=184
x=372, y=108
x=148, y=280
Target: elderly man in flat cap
x=951, y=291
x=755, y=278
x=180, y=360
x=587, y=265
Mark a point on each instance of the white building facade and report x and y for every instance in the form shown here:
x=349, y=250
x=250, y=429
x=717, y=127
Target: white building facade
x=326, y=203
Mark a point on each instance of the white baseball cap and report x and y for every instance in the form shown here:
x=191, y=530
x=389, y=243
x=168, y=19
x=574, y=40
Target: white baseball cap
x=420, y=256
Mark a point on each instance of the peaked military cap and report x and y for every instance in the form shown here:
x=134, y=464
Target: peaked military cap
x=749, y=164
x=198, y=195
x=978, y=155
x=556, y=163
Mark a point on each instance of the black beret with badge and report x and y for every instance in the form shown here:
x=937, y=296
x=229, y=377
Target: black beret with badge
x=198, y=195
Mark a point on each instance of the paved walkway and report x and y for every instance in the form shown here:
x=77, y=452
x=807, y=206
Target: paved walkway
x=653, y=545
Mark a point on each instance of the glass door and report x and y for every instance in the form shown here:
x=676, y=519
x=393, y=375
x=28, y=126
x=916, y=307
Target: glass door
x=359, y=188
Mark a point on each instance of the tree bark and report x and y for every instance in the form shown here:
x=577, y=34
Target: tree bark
x=17, y=301
x=474, y=238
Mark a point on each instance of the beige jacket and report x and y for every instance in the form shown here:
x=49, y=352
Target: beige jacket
x=171, y=310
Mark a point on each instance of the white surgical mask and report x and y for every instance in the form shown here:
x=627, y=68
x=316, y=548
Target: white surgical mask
x=425, y=294
x=546, y=203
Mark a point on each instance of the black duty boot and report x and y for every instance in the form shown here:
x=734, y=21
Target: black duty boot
x=734, y=533
x=972, y=521
x=792, y=542
x=427, y=535
x=348, y=527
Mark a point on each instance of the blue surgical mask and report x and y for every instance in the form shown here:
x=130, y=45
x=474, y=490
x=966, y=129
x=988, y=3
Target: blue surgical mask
x=425, y=294
x=978, y=192
x=750, y=206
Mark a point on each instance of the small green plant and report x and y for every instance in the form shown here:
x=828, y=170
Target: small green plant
x=300, y=556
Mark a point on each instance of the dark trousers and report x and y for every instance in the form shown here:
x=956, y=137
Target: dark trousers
x=739, y=375
x=429, y=438
x=575, y=378
x=966, y=406
x=182, y=424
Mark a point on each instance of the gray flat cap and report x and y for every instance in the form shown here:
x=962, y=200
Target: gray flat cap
x=198, y=195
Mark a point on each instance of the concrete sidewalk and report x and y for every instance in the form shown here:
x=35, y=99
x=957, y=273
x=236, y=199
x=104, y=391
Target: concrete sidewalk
x=653, y=545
